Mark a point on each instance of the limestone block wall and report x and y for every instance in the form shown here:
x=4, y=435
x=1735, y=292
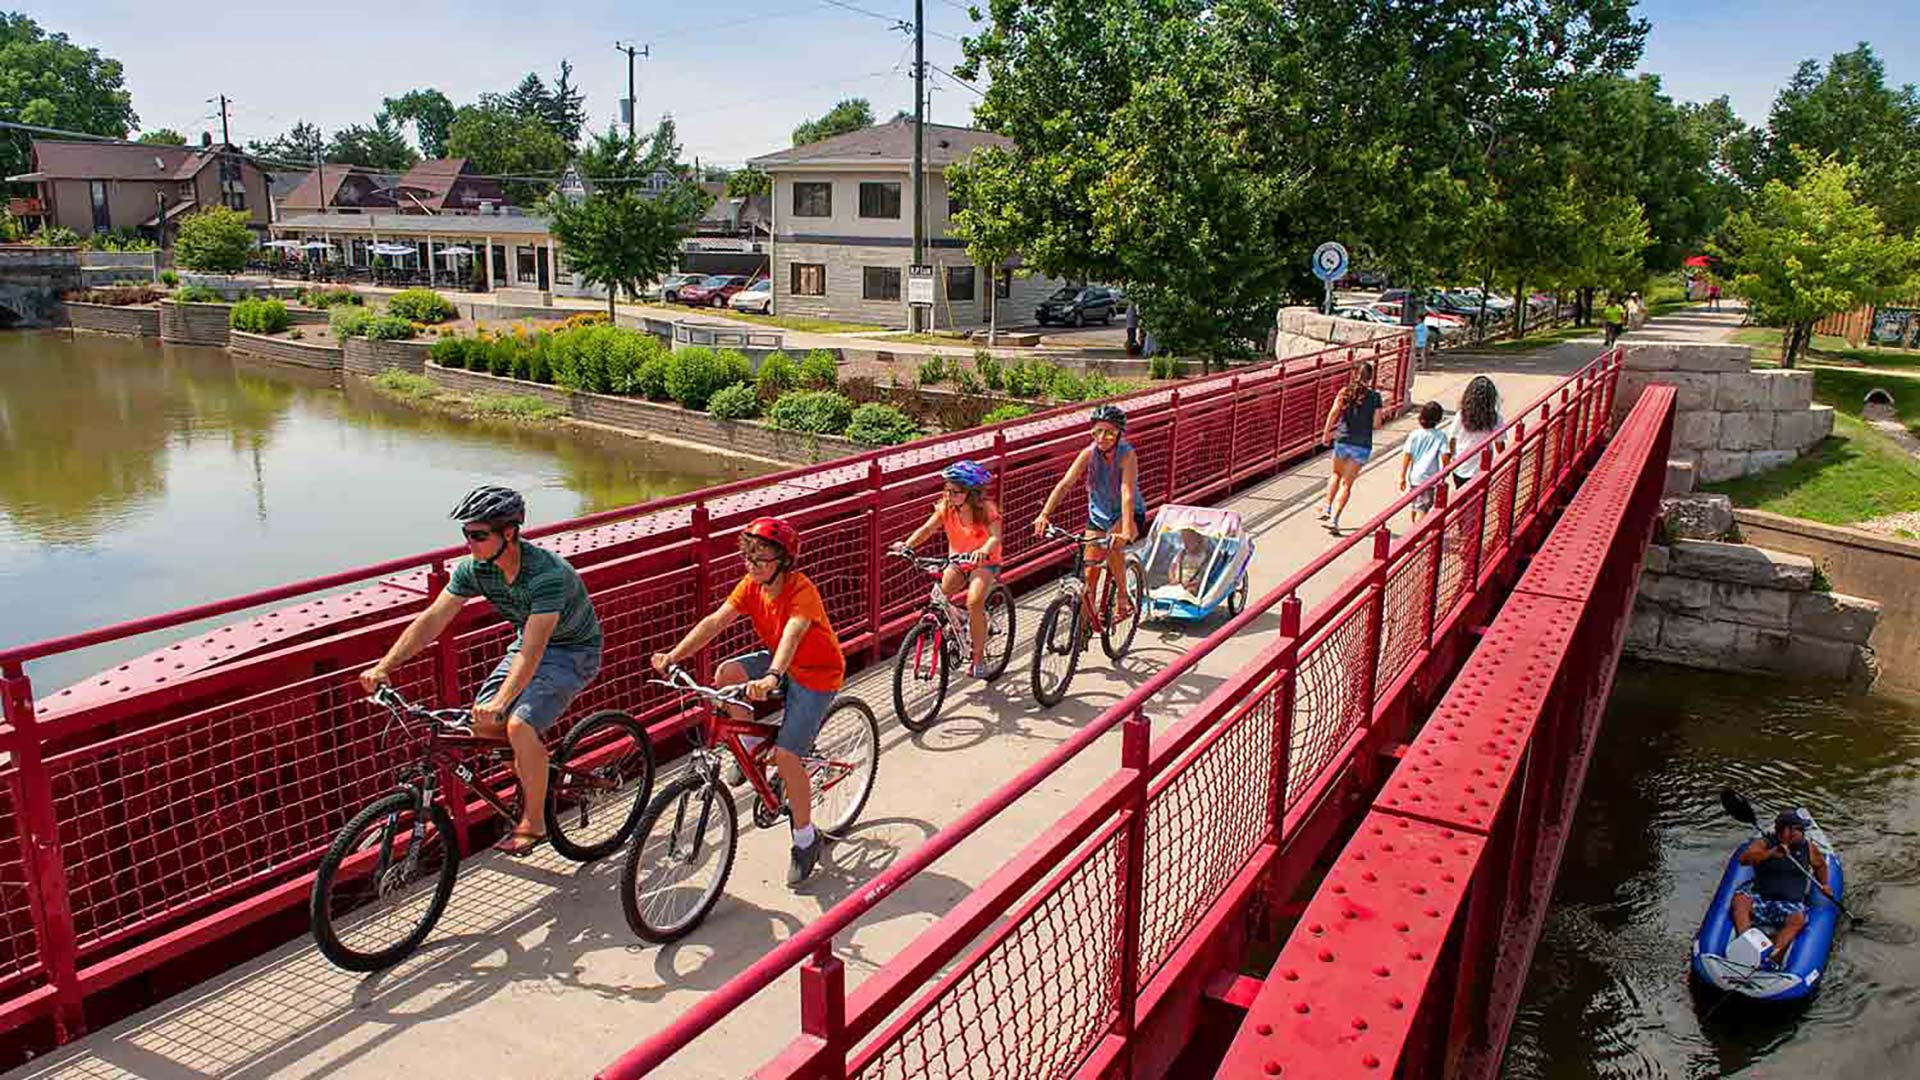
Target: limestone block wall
x=1735, y=607
x=108, y=319
x=364, y=356
x=1729, y=420
x=195, y=324
x=1301, y=331
x=287, y=351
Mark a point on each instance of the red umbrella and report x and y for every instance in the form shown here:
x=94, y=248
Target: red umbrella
x=1697, y=260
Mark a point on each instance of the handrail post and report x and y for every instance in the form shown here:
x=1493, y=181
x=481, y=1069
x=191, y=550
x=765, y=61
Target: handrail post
x=1439, y=513
x=1540, y=459
x=1173, y=447
x=1233, y=430
x=1519, y=462
x=46, y=872
x=876, y=588
x=823, y=1008
x=1376, y=621
x=1280, y=754
x=702, y=524
x=446, y=687
x=1479, y=546
x=1135, y=734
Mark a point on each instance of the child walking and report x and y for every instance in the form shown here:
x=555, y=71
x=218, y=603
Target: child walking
x=1423, y=457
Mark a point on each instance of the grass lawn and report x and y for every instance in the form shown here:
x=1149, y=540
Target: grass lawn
x=1826, y=350
x=1856, y=475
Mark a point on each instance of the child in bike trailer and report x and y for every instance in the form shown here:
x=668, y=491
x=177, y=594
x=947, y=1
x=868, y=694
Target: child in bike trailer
x=555, y=651
x=972, y=524
x=802, y=660
x=1114, y=504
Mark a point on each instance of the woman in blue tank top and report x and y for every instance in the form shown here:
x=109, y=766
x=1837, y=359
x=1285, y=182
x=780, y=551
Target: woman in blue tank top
x=1114, y=504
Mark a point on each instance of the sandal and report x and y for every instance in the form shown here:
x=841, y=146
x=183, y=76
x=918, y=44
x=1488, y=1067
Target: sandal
x=519, y=844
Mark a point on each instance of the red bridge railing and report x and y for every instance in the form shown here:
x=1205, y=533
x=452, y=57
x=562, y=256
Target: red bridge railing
x=1412, y=955
x=170, y=809
x=1089, y=952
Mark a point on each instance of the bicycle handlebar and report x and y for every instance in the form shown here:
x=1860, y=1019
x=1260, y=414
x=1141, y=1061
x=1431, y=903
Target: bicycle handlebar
x=678, y=679
x=929, y=562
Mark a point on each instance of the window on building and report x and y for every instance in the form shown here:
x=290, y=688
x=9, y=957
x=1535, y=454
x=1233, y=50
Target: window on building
x=812, y=200
x=880, y=283
x=237, y=200
x=880, y=199
x=960, y=283
x=102, y=219
x=187, y=194
x=1003, y=285
x=809, y=279
x=526, y=264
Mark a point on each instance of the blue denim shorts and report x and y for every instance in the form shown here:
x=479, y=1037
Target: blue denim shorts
x=563, y=673
x=1771, y=912
x=1356, y=454
x=804, y=710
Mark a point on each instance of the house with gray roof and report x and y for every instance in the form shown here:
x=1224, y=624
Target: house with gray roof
x=100, y=187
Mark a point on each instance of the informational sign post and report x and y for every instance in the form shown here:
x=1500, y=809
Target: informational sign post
x=920, y=285
x=1329, y=265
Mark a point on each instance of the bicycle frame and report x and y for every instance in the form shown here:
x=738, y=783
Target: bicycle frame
x=719, y=728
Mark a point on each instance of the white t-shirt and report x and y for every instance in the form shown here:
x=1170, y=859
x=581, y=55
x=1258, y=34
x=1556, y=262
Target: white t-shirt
x=1466, y=445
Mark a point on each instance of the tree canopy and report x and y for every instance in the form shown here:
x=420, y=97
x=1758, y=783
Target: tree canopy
x=380, y=145
x=216, y=240
x=48, y=81
x=851, y=114
x=1847, y=111
x=501, y=142
x=431, y=114
x=163, y=137
x=618, y=238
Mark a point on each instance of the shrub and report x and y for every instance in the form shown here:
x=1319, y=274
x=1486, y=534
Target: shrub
x=933, y=370
x=169, y=278
x=651, y=380
x=56, y=236
x=405, y=384
x=258, y=316
x=958, y=412
x=197, y=294
x=992, y=372
x=1029, y=378
x=346, y=322
x=861, y=389
x=500, y=353
x=736, y=402
x=585, y=318
x=881, y=425
x=1005, y=413
x=819, y=371
x=217, y=240
x=1166, y=366
x=966, y=381
x=449, y=352
x=1095, y=385
x=121, y=240
x=518, y=406
x=819, y=412
x=1064, y=385
x=421, y=306
x=117, y=296
x=776, y=376
x=695, y=375
x=598, y=358
x=327, y=298
x=388, y=328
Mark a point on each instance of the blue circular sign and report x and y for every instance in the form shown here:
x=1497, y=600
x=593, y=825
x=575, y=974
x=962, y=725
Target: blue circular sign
x=1329, y=261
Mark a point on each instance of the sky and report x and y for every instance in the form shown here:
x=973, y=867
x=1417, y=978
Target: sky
x=738, y=80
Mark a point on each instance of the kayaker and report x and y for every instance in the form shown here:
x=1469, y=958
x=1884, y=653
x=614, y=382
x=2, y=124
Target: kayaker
x=1776, y=895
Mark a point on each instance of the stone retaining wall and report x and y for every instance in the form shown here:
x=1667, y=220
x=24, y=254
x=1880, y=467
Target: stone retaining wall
x=367, y=357
x=653, y=418
x=195, y=324
x=132, y=320
x=1735, y=607
x=302, y=316
x=286, y=351
x=1729, y=420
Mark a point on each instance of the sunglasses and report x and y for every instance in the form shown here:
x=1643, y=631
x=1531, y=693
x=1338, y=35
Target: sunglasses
x=759, y=560
x=476, y=535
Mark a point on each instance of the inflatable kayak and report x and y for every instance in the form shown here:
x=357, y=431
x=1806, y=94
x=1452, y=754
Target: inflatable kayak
x=1731, y=962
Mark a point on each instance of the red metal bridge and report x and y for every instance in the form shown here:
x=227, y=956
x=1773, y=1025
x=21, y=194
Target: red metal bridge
x=165, y=813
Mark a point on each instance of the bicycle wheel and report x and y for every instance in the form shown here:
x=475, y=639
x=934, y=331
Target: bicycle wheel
x=679, y=861
x=601, y=780
x=1237, y=599
x=1056, y=650
x=920, y=676
x=1116, y=639
x=376, y=894
x=843, y=765
x=1000, y=612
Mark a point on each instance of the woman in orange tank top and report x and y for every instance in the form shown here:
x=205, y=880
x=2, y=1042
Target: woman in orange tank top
x=972, y=524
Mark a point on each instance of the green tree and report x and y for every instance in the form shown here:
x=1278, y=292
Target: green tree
x=566, y=110
x=502, y=143
x=746, y=183
x=615, y=237
x=380, y=146
x=301, y=144
x=431, y=114
x=48, y=81
x=1847, y=111
x=215, y=240
x=163, y=137
x=851, y=114
x=1807, y=250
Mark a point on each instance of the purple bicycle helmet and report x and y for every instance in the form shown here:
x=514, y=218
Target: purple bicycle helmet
x=967, y=474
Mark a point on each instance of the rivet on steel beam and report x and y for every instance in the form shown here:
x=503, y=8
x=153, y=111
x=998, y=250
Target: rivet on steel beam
x=1359, y=1023
x=1302, y=1008
x=1264, y=1029
x=1381, y=970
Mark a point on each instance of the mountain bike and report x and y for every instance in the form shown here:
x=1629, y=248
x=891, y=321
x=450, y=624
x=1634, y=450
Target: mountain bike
x=1067, y=622
x=387, y=876
x=941, y=641
x=683, y=851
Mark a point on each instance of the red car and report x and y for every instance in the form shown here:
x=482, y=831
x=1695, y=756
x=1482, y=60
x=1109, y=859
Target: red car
x=712, y=292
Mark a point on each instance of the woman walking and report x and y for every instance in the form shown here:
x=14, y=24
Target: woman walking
x=1350, y=429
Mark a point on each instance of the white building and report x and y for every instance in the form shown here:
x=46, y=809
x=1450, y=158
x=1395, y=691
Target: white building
x=843, y=231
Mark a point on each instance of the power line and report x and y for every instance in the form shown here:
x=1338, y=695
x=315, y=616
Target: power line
x=958, y=81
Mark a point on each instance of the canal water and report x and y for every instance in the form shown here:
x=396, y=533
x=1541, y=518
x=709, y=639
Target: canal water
x=1608, y=997
x=136, y=479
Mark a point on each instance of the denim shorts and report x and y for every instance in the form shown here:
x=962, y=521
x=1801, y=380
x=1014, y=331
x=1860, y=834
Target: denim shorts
x=1356, y=454
x=563, y=673
x=1771, y=912
x=805, y=709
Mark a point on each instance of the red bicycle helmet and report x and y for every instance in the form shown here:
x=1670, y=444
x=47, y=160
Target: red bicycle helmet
x=776, y=531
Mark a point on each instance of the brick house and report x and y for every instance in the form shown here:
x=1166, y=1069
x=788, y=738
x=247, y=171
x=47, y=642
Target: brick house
x=843, y=231
x=97, y=187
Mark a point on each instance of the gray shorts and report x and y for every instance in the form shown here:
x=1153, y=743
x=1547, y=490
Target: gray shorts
x=1423, y=501
x=562, y=674
x=804, y=710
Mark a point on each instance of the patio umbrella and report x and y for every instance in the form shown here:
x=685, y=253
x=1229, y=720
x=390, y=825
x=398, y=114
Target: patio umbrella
x=393, y=249
x=456, y=250
x=317, y=245
x=1697, y=260
x=283, y=245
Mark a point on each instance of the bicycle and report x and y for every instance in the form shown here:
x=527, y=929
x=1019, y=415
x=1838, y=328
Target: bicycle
x=934, y=647
x=1066, y=624
x=664, y=890
x=397, y=854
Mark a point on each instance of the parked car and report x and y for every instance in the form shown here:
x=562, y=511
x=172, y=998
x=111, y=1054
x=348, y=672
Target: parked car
x=1366, y=314
x=713, y=291
x=668, y=288
x=1073, y=305
x=757, y=298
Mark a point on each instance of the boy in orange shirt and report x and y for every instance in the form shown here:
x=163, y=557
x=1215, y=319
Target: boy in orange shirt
x=802, y=659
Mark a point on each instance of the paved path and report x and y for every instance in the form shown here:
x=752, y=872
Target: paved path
x=533, y=973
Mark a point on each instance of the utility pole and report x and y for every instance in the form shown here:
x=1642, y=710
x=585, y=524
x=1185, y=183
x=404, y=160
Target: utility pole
x=633, y=102
x=225, y=138
x=919, y=141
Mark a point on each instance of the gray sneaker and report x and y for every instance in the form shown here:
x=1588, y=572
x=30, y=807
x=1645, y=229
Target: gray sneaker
x=805, y=859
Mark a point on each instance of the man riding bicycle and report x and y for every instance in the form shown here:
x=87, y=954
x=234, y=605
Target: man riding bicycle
x=555, y=651
x=802, y=659
x=1114, y=503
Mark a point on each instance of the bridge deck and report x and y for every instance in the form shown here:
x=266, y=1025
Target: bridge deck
x=532, y=972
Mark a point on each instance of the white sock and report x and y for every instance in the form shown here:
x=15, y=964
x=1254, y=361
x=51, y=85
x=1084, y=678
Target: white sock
x=803, y=837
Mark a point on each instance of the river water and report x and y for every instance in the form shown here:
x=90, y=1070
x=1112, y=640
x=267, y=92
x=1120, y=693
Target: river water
x=135, y=479
x=1608, y=996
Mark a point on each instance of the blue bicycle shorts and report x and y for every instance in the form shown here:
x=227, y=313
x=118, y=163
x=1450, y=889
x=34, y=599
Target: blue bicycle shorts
x=562, y=674
x=805, y=709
